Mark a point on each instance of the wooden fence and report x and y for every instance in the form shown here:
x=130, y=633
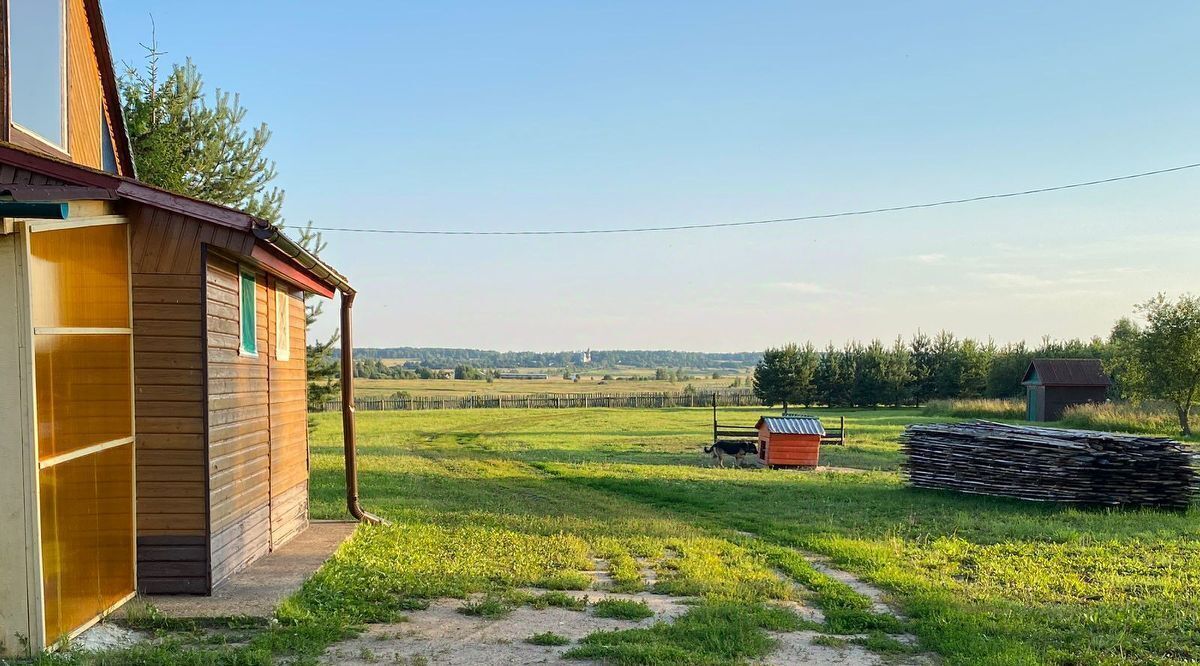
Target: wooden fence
x=725, y=398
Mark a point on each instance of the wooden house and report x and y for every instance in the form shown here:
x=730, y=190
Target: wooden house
x=1053, y=384
x=789, y=441
x=152, y=355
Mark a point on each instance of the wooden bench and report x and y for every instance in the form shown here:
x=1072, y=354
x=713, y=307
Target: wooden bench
x=836, y=435
x=721, y=431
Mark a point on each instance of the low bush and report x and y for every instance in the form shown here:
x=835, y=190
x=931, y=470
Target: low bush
x=977, y=408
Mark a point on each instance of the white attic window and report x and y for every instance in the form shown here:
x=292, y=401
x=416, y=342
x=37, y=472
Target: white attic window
x=37, y=64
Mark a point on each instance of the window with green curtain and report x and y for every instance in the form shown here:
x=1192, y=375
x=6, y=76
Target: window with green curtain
x=248, y=314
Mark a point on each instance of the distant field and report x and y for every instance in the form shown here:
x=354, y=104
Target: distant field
x=379, y=388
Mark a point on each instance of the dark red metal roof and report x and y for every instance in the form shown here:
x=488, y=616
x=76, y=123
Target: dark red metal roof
x=77, y=179
x=1066, y=372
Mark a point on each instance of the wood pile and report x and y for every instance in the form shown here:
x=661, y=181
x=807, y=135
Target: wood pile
x=1049, y=464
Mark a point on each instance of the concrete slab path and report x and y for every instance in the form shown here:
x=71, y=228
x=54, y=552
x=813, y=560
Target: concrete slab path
x=259, y=588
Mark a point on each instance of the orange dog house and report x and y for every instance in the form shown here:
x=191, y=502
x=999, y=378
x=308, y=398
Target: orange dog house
x=789, y=441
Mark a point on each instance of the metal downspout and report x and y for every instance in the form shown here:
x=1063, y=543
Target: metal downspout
x=349, y=437
x=270, y=234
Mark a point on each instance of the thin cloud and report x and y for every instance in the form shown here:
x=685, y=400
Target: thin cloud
x=800, y=287
x=932, y=258
x=1014, y=280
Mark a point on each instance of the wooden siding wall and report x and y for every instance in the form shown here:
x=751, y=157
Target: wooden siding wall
x=86, y=116
x=222, y=439
x=289, y=420
x=1056, y=399
x=168, y=343
x=239, y=426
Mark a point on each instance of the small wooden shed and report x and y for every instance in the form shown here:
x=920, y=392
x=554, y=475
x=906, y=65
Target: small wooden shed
x=789, y=441
x=1053, y=384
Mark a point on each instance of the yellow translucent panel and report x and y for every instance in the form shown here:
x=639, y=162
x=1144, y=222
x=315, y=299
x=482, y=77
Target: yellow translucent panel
x=114, y=514
x=87, y=537
x=83, y=391
x=80, y=277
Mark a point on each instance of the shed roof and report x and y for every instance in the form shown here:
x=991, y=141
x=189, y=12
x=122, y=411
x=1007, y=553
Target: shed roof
x=792, y=425
x=1066, y=372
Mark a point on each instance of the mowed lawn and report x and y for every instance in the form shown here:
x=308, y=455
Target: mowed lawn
x=490, y=500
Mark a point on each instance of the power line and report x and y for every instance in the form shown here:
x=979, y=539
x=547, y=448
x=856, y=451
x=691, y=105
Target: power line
x=778, y=220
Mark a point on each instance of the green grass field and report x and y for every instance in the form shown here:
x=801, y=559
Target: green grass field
x=493, y=500
x=513, y=497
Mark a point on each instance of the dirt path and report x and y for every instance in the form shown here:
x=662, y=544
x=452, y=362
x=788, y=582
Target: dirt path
x=442, y=635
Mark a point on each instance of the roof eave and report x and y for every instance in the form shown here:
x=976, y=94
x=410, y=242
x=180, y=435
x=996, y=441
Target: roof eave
x=274, y=236
x=109, y=186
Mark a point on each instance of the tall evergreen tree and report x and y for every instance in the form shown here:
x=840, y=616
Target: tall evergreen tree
x=946, y=370
x=806, y=375
x=921, y=352
x=776, y=378
x=186, y=142
x=897, y=375
x=868, y=373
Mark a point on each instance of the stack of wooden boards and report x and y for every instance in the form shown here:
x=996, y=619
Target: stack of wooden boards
x=1049, y=464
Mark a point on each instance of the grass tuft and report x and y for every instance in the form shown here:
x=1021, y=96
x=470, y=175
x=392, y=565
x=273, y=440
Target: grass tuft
x=565, y=580
x=830, y=641
x=559, y=600
x=710, y=633
x=622, y=609
x=490, y=607
x=548, y=638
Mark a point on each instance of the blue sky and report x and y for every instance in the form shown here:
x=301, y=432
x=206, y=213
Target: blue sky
x=539, y=115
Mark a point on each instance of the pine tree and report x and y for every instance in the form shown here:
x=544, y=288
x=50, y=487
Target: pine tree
x=896, y=374
x=805, y=388
x=776, y=379
x=185, y=142
x=324, y=371
x=922, y=368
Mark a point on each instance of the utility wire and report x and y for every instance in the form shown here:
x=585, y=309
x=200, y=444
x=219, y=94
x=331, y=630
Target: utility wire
x=778, y=220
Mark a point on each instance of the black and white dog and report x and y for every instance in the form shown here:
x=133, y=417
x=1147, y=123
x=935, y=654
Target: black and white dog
x=738, y=448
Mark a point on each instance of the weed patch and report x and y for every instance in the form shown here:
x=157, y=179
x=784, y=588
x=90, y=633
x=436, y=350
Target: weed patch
x=548, y=638
x=622, y=609
x=491, y=607
x=559, y=600
x=710, y=633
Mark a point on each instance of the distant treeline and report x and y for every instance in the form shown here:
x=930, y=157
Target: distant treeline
x=915, y=371
x=441, y=358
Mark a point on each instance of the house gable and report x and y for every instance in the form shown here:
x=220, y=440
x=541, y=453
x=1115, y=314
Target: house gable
x=93, y=131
